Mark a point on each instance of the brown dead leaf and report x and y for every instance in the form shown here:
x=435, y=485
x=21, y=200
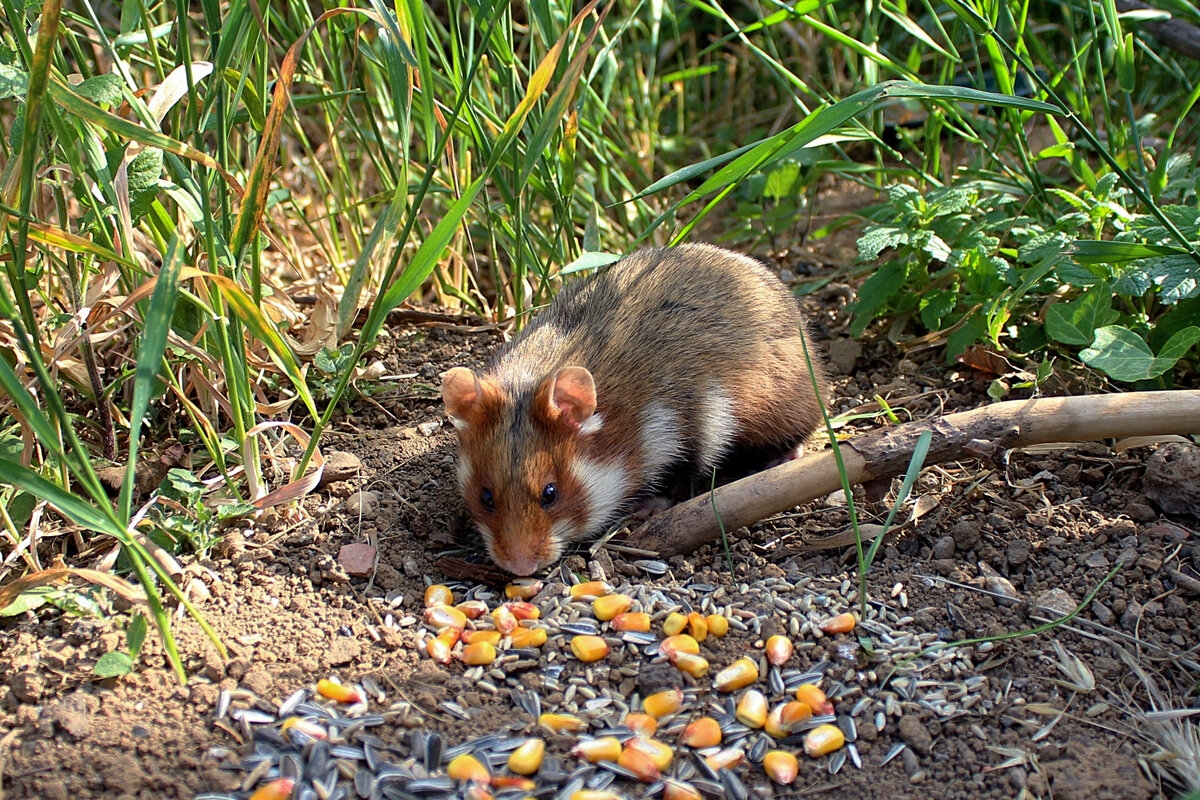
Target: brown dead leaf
x=58, y=575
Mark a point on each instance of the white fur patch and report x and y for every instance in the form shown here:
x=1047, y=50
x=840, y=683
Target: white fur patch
x=606, y=485
x=464, y=471
x=591, y=425
x=661, y=439
x=716, y=425
x=458, y=423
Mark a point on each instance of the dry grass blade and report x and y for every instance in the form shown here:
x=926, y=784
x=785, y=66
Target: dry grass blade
x=56, y=575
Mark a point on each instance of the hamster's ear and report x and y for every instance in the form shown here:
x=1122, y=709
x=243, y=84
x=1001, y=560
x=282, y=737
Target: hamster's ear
x=461, y=393
x=573, y=395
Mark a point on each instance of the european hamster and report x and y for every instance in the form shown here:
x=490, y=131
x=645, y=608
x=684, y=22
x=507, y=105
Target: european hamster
x=670, y=358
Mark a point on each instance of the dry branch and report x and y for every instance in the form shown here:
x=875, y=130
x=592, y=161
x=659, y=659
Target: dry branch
x=984, y=432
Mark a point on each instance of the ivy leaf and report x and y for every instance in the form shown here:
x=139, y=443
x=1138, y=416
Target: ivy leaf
x=1076, y=322
x=1125, y=356
x=875, y=292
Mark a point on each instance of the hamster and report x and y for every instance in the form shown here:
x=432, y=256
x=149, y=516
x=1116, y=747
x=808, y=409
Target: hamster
x=670, y=358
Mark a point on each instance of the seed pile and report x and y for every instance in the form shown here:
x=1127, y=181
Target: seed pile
x=636, y=726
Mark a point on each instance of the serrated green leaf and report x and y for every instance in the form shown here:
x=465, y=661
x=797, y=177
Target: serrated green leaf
x=878, y=238
x=144, y=170
x=1076, y=322
x=113, y=665
x=875, y=293
x=936, y=306
x=101, y=89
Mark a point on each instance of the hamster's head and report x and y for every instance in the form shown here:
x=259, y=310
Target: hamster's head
x=518, y=457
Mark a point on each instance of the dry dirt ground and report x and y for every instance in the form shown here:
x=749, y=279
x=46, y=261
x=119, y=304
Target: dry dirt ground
x=1062, y=713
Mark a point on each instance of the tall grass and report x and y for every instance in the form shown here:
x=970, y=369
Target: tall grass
x=178, y=175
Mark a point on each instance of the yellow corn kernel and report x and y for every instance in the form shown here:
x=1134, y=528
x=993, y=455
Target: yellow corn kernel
x=660, y=704
x=752, y=709
x=773, y=726
x=606, y=748
x=692, y=664
x=823, y=739
x=674, y=624
x=471, y=637
x=438, y=595
x=785, y=717
x=472, y=609
x=726, y=759
x=529, y=637
x=589, y=648
x=660, y=753
x=440, y=617
x=467, y=767
x=739, y=674
x=632, y=621
x=779, y=650
x=526, y=759
x=698, y=626
x=513, y=782
x=639, y=764
x=590, y=590
x=678, y=790
x=718, y=626
x=781, y=767
x=607, y=607
x=339, y=692
x=561, y=722
x=596, y=794
x=523, y=589
x=278, y=789
x=641, y=724
x=701, y=733
x=523, y=610
x=449, y=636
x=308, y=727
x=439, y=651
x=812, y=696
x=842, y=623
x=504, y=620
x=478, y=654
x=679, y=643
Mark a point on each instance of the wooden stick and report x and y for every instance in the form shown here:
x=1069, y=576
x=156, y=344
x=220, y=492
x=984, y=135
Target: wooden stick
x=983, y=432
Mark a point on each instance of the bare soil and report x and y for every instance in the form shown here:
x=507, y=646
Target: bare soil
x=1053, y=522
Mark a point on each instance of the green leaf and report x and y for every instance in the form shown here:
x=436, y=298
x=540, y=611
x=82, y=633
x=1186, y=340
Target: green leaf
x=136, y=634
x=26, y=601
x=878, y=238
x=936, y=306
x=589, y=260
x=1125, y=356
x=1076, y=322
x=101, y=89
x=1089, y=251
x=14, y=82
x=875, y=292
x=113, y=665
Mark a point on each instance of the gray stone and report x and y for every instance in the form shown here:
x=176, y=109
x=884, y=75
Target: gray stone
x=1057, y=600
x=944, y=547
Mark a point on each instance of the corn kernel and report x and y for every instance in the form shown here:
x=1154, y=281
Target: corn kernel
x=589, y=648
x=478, y=791
x=561, y=722
x=526, y=759
x=606, y=748
x=607, y=607
x=781, y=767
x=698, y=626
x=523, y=610
x=692, y=664
x=823, y=739
x=739, y=674
x=504, y=620
x=640, y=764
x=726, y=759
x=339, y=692
x=523, y=589
x=660, y=704
x=472, y=609
x=467, y=767
x=812, y=696
x=513, y=782
x=785, y=717
x=842, y=623
x=632, y=621
x=438, y=650
x=659, y=752
x=779, y=650
x=449, y=636
x=641, y=724
x=278, y=789
x=529, y=637
x=679, y=643
x=438, y=595
x=440, y=617
x=479, y=654
x=596, y=794
x=718, y=626
x=701, y=733
x=678, y=790
x=308, y=727
x=471, y=637
x=752, y=709
x=674, y=624
x=590, y=590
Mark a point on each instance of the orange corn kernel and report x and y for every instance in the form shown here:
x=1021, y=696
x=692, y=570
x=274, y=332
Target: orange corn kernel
x=527, y=758
x=678, y=790
x=718, y=626
x=674, y=623
x=739, y=674
x=589, y=648
x=440, y=617
x=641, y=724
x=606, y=748
x=660, y=704
x=339, y=692
x=639, y=764
x=278, y=789
x=523, y=610
x=491, y=637
x=472, y=609
x=632, y=621
x=679, y=643
x=529, y=637
x=779, y=650
x=659, y=752
x=842, y=623
x=438, y=595
x=701, y=733
x=504, y=620
x=590, y=590
x=781, y=767
x=811, y=695
x=607, y=607
x=698, y=626
x=479, y=654
x=726, y=759
x=561, y=722
x=523, y=589
x=823, y=739
x=692, y=664
x=467, y=767
x=752, y=709
x=439, y=651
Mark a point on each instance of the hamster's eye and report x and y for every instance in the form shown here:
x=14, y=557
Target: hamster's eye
x=549, y=495
x=487, y=498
